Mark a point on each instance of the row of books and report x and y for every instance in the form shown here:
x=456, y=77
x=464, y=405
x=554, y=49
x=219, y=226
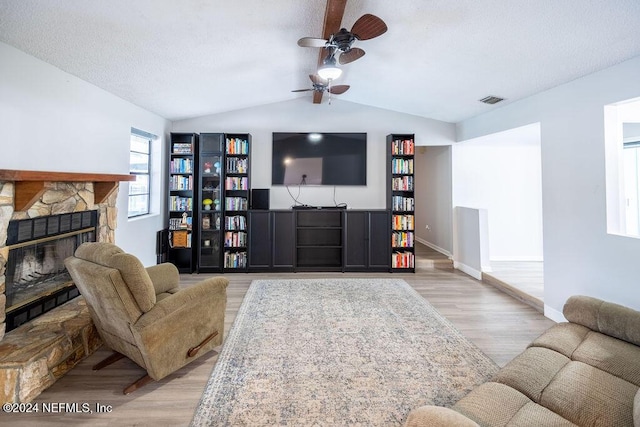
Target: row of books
x=402, y=146
x=236, y=183
x=182, y=148
x=402, y=183
x=236, y=204
x=177, y=224
x=403, y=222
x=402, y=239
x=178, y=203
x=402, y=260
x=237, y=146
x=235, y=259
x=235, y=239
x=399, y=166
x=400, y=203
x=237, y=165
x=181, y=165
x=181, y=182
x=237, y=222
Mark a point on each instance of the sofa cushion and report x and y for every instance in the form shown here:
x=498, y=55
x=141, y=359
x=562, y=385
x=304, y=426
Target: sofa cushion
x=617, y=357
x=531, y=371
x=588, y=396
x=562, y=337
x=495, y=404
x=606, y=317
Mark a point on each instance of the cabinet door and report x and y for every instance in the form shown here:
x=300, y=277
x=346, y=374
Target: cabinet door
x=283, y=239
x=379, y=240
x=356, y=236
x=260, y=243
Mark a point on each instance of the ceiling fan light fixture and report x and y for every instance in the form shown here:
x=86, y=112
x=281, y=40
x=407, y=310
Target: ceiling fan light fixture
x=329, y=70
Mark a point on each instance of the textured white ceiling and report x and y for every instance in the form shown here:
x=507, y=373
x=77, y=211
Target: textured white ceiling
x=190, y=58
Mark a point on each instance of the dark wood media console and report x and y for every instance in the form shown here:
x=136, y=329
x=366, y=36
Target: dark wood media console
x=319, y=240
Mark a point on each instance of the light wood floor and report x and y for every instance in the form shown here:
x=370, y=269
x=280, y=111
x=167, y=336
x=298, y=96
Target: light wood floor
x=498, y=324
x=524, y=280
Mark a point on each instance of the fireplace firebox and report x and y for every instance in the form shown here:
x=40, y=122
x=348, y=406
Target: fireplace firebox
x=36, y=278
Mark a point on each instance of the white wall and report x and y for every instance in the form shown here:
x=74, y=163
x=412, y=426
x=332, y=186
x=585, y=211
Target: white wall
x=580, y=257
x=301, y=115
x=501, y=173
x=53, y=121
x=470, y=241
x=433, y=177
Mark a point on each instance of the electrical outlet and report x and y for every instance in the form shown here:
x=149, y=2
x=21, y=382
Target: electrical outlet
x=428, y=227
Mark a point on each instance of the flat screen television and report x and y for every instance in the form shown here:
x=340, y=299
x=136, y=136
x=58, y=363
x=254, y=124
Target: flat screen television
x=316, y=158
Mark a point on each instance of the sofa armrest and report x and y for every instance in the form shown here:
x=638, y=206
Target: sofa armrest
x=437, y=416
x=165, y=277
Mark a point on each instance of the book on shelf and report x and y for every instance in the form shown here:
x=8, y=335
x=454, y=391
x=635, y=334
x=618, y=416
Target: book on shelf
x=181, y=182
x=236, y=183
x=181, y=165
x=235, y=259
x=402, y=239
x=182, y=148
x=236, y=222
x=237, y=165
x=403, y=222
x=402, y=166
x=179, y=203
x=402, y=183
x=402, y=260
x=235, y=239
x=401, y=203
x=236, y=204
x=402, y=147
x=237, y=146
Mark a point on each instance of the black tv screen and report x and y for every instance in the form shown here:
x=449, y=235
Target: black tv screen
x=317, y=158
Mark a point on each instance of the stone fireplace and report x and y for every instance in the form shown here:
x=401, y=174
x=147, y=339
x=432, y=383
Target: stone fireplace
x=46, y=342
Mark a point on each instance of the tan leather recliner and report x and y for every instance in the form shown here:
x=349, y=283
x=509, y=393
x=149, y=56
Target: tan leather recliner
x=143, y=314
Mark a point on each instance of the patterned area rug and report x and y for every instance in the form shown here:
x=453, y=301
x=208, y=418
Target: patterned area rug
x=329, y=352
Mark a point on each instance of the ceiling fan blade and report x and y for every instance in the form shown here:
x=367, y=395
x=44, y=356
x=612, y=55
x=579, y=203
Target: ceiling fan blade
x=317, y=80
x=338, y=89
x=368, y=26
x=351, y=55
x=302, y=90
x=311, y=42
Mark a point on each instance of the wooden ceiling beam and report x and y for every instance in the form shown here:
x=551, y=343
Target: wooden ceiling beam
x=332, y=21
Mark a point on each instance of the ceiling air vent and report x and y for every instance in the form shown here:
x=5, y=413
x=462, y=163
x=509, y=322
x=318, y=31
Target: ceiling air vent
x=491, y=99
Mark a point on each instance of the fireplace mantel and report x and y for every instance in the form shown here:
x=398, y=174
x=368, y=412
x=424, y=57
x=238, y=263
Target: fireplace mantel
x=29, y=185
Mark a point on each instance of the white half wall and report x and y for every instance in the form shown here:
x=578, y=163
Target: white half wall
x=471, y=241
x=53, y=121
x=501, y=173
x=580, y=256
x=301, y=115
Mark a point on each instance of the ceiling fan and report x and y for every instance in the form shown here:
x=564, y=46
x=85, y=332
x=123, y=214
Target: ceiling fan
x=365, y=28
x=322, y=85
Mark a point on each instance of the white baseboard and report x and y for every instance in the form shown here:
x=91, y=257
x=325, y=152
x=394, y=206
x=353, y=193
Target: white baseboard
x=518, y=258
x=553, y=314
x=434, y=247
x=468, y=270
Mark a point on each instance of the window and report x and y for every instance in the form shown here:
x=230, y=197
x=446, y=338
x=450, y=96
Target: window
x=139, y=165
x=622, y=148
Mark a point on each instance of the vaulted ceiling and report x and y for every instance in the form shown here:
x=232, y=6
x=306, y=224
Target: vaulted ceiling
x=191, y=58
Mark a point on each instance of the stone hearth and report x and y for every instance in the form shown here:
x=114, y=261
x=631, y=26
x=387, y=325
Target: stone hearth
x=34, y=355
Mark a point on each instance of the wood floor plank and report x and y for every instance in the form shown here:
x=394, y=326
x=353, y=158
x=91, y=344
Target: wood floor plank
x=497, y=323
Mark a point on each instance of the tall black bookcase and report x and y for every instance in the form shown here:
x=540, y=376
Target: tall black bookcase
x=401, y=200
x=182, y=200
x=235, y=195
